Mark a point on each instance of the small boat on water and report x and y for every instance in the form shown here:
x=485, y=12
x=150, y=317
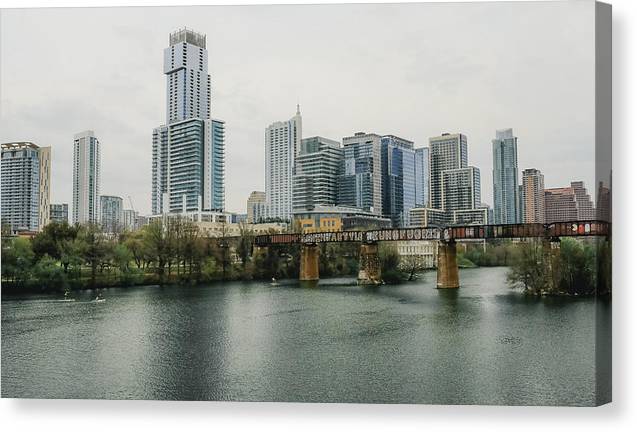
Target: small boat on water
x=274, y=282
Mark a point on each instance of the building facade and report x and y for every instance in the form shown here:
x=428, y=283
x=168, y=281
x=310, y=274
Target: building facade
x=26, y=175
x=86, y=177
x=360, y=184
x=505, y=177
x=282, y=146
x=316, y=171
x=256, y=207
x=337, y=218
x=129, y=220
x=446, y=152
x=568, y=204
x=188, y=157
x=398, y=170
x=533, y=196
x=111, y=213
x=59, y=213
x=422, y=177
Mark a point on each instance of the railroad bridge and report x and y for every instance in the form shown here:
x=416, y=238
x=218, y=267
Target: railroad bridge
x=447, y=265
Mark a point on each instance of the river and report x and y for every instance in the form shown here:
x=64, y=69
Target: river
x=410, y=343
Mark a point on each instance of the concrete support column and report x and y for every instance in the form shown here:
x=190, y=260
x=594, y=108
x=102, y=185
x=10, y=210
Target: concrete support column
x=309, y=271
x=447, y=265
x=369, y=265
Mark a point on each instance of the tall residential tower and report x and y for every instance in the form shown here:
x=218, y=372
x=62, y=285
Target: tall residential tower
x=86, y=177
x=282, y=146
x=26, y=191
x=188, y=171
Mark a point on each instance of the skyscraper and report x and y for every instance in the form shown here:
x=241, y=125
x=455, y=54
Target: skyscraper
x=282, y=146
x=188, y=171
x=316, y=172
x=422, y=177
x=446, y=152
x=398, y=168
x=533, y=195
x=26, y=175
x=360, y=184
x=505, y=177
x=461, y=189
x=111, y=213
x=187, y=78
x=86, y=177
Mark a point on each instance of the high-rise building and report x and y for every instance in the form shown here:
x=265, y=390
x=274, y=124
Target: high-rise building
x=446, y=152
x=422, y=177
x=604, y=204
x=398, y=170
x=187, y=78
x=461, y=189
x=568, y=204
x=316, y=171
x=59, y=213
x=129, y=219
x=26, y=191
x=86, y=177
x=505, y=177
x=360, y=184
x=533, y=196
x=111, y=213
x=256, y=207
x=188, y=172
x=282, y=146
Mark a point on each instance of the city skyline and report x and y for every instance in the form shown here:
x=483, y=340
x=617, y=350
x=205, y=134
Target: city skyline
x=537, y=110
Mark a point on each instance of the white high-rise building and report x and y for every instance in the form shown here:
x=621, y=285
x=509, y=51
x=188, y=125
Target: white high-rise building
x=282, y=145
x=86, y=177
x=189, y=150
x=187, y=78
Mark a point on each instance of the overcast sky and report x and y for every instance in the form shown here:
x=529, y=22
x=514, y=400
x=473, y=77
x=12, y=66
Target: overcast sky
x=412, y=70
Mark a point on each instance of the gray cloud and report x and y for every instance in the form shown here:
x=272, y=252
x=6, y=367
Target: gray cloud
x=413, y=70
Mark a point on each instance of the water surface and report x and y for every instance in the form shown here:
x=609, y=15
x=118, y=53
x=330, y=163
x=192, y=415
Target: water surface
x=482, y=344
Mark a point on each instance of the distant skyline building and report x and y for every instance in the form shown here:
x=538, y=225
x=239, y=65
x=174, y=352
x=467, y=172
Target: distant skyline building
x=398, y=170
x=316, y=172
x=188, y=157
x=86, y=177
x=360, y=184
x=282, y=146
x=422, y=177
x=26, y=185
x=446, y=152
x=129, y=219
x=59, y=213
x=461, y=189
x=568, y=203
x=533, y=196
x=112, y=213
x=505, y=177
x=256, y=207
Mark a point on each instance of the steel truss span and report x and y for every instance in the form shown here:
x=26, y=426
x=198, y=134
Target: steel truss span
x=553, y=230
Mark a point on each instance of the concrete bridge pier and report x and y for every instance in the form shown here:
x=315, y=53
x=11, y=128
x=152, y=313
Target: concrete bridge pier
x=447, y=265
x=309, y=270
x=369, y=265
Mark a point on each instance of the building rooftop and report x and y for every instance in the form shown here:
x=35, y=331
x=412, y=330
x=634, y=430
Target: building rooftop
x=19, y=145
x=188, y=36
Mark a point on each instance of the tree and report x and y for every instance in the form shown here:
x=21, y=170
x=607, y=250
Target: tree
x=52, y=240
x=17, y=260
x=157, y=246
x=389, y=263
x=244, y=248
x=93, y=247
x=530, y=268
